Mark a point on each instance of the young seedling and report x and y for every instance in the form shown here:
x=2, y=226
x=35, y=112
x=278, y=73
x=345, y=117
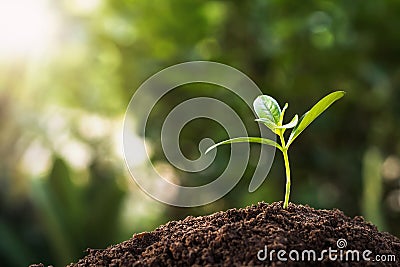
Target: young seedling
x=271, y=115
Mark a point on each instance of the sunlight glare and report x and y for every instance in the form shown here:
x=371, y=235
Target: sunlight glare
x=26, y=27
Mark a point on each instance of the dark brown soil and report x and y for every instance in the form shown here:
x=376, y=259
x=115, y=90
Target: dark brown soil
x=235, y=237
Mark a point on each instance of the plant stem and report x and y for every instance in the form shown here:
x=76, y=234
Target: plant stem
x=287, y=167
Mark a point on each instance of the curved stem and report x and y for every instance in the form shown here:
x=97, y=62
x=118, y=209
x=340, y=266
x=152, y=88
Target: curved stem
x=287, y=167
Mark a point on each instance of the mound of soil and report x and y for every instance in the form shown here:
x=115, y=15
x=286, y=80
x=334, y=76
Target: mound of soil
x=255, y=236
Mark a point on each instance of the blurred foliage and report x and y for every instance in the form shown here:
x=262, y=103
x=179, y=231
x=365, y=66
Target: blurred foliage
x=63, y=182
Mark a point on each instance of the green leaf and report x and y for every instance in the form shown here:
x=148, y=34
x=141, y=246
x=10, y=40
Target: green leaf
x=271, y=125
x=291, y=124
x=248, y=140
x=267, y=108
x=283, y=113
x=313, y=113
x=274, y=128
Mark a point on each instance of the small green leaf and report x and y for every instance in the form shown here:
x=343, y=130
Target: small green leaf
x=313, y=113
x=291, y=124
x=271, y=125
x=246, y=139
x=267, y=108
x=283, y=113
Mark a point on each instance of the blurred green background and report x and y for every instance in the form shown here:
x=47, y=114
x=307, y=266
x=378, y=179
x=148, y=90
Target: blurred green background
x=69, y=68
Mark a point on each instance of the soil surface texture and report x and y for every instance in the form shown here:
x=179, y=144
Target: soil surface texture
x=254, y=236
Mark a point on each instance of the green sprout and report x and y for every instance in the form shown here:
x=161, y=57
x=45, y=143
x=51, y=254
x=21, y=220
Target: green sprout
x=269, y=113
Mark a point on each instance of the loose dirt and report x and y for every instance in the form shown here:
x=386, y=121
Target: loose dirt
x=253, y=236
